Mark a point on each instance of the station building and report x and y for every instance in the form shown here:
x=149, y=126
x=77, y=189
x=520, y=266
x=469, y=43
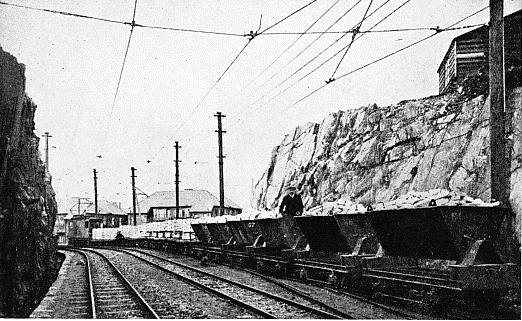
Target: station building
x=161, y=206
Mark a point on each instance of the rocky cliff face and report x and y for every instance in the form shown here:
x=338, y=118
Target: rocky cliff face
x=375, y=154
x=28, y=261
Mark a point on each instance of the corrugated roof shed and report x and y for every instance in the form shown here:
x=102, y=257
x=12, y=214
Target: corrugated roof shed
x=197, y=200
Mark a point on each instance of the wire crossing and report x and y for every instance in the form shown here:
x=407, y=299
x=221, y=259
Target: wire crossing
x=297, y=56
x=355, y=31
x=253, y=35
x=437, y=31
x=301, y=34
x=317, y=56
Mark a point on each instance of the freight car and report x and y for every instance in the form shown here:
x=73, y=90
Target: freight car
x=433, y=255
x=427, y=255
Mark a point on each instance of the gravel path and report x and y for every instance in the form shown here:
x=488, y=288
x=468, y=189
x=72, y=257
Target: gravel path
x=68, y=295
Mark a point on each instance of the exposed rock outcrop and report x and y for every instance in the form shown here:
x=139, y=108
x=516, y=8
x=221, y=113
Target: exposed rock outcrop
x=28, y=263
x=375, y=154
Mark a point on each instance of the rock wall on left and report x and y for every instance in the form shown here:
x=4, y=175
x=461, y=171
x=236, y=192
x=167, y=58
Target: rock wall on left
x=28, y=261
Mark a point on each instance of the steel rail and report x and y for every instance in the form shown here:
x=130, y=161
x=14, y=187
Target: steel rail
x=203, y=287
x=401, y=313
x=322, y=284
x=126, y=282
x=88, y=275
x=244, y=286
x=294, y=290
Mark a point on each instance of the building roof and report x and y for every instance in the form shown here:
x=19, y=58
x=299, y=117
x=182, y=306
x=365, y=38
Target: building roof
x=105, y=207
x=197, y=200
x=70, y=207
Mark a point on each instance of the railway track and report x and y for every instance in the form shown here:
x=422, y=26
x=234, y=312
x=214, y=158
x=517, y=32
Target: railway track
x=262, y=303
x=287, y=285
x=360, y=307
x=111, y=293
x=81, y=300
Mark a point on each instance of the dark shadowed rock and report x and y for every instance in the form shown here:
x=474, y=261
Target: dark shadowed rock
x=28, y=263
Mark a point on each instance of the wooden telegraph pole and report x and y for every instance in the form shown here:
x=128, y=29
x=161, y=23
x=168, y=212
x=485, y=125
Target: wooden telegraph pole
x=220, y=132
x=133, y=176
x=95, y=192
x=500, y=164
x=47, y=136
x=177, y=179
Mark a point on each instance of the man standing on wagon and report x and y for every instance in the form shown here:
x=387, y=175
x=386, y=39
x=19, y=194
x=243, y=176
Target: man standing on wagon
x=292, y=205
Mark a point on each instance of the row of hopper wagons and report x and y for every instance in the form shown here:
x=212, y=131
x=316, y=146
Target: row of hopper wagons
x=408, y=255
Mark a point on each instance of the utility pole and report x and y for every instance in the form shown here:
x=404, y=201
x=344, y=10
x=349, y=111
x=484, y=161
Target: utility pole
x=86, y=202
x=500, y=164
x=220, y=132
x=46, y=135
x=177, y=179
x=133, y=176
x=95, y=192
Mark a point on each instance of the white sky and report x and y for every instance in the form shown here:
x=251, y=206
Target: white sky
x=73, y=65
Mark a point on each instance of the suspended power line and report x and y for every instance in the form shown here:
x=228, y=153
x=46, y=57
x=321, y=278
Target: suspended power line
x=193, y=111
x=288, y=16
x=369, y=31
x=356, y=29
x=301, y=34
x=63, y=13
x=298, y=55
x=222, y=33
x=389, y=55
x=317, y=56
x=252, y=36
x=337, y=53
x=119, y=79
x=124, y=22
x=219, y=33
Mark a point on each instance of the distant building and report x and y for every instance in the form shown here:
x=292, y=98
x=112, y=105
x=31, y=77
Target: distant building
x=79, y=217
x=161, y=206
x=71, y=208
x=468, y=53
x=109, y=215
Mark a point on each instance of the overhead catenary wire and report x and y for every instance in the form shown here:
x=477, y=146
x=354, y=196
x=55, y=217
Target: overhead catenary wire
x=219, y=33
x=210, y=32
x=71, y=14
x=301, y=34
x=368, y=31
x=337, y=53
x=322, y=64
x=107, y=128
x=63, y=13
x=356, y=29
x=253, y=35
x=298, y=55
x=288, y=16
x=274, y=33
x=389, y=55
x=307, y=63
